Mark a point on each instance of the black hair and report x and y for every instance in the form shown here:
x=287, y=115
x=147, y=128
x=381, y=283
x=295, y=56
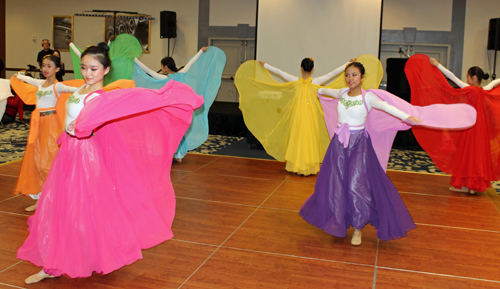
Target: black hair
x=170, y=63
x=58, y=52
x=53, y=58
x=307, y=64
x=358, y=65
x=478, y=72
x=99, y=52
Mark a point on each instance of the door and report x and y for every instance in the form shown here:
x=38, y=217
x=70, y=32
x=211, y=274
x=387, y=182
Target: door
x=237, y=51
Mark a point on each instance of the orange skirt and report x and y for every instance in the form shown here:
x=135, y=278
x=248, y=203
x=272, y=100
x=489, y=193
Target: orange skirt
x=40, y=152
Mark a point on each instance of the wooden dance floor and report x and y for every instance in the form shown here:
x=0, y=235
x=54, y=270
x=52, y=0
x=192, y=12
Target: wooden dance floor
x=237, y=226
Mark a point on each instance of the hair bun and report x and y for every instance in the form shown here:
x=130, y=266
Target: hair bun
x=104, y=46
x=486, y=76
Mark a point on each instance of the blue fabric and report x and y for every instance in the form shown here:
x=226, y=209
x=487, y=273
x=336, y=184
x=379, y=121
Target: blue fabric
x=204, y=77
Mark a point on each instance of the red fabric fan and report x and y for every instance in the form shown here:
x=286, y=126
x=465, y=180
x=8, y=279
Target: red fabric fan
x=471, y=155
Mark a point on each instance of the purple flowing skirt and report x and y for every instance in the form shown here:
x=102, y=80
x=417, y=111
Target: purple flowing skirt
x=352, y=189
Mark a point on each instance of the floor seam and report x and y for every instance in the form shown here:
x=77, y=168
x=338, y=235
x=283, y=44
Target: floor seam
x=230, y=235
x=439, y=274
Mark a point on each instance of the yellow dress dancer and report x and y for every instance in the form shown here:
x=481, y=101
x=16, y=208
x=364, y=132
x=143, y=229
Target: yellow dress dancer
x=287, y=118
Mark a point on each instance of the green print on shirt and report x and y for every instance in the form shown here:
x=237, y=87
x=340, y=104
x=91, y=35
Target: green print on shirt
x=73, y=99
x=350, y=103
x=41, y=94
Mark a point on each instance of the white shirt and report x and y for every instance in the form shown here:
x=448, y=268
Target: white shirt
x=462, y=84
x=74, y=106
x=46, y=98
x=316, y=80
x=352, y=111
x=156, y=75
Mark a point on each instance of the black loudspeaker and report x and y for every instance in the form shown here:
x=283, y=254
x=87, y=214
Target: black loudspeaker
x=494, y=34
x=397, y=83
x=168, y=24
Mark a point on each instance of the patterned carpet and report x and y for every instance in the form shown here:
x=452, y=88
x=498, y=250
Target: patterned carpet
x=13, y=142
x=13, y=137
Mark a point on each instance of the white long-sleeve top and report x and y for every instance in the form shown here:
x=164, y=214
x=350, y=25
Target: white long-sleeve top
x=156, y=75
x=316, y=80
x=46, y=98
x=462, y=84
x=352, y=111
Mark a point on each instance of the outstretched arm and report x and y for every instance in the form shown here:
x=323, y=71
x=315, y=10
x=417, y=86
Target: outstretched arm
x=186, y=68
x=284, y=75
x=377, y=103
x=492, y=85
x=322, y=79
x=75, y=50
x=62, y=88
x=146, y=69
x=333, y=92
x=448, y=73
x=30, y=80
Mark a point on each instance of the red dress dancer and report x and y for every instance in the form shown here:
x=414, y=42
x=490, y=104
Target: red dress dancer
x=470, y=156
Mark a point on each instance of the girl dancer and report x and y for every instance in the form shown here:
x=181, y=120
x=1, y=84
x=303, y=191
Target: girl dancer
x=286, y=118
x=203, y=73
x=168, y=65
x=471, y=156
x=46, y=127
x=108, y=194
x=62, y=71
x=352, y=188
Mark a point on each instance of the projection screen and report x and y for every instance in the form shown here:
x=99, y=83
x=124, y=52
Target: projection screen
x=329, y=31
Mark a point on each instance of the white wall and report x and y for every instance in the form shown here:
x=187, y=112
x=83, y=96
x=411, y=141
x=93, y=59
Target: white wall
x=435, y=15
x=479, y=13
x=29, y=17
x=331, y=32
x=232, y=12
x=430, y=15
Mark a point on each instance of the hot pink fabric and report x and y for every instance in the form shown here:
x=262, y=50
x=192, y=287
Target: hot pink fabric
x=109, y=195
x=383, y=127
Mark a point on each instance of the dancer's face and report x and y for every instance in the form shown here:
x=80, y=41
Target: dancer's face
x=353, y=77
x=472, y=80
x=49, y=68
x=92, y=70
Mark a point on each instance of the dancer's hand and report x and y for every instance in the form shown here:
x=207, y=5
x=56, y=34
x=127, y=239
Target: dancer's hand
x=71, y=127
x=262, y=63
x=412, y=120
x=204, y=49
x=353, y=59
x=434, y=62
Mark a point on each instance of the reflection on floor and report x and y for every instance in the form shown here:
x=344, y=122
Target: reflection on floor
x=237, y=226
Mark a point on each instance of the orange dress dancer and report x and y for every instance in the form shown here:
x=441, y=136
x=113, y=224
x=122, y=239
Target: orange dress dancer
x=470, y=156
x=47, y=124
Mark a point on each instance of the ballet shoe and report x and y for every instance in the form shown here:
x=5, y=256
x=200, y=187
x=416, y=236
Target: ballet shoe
x=462, y=190
x=31, y=208
x=356, y=238
x=35, y=278
x=472, y=192
x=178, y=160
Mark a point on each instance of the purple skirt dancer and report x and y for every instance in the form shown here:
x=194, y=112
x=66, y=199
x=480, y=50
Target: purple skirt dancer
x=352, y=189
